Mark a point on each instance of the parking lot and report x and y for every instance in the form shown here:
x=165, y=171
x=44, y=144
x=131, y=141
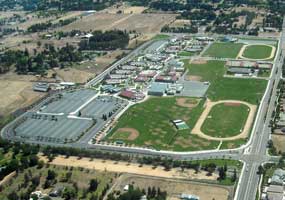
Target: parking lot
x=194, y=88
x=103, y=105
x=54, y=121
x=52, y=128
x=66, y=102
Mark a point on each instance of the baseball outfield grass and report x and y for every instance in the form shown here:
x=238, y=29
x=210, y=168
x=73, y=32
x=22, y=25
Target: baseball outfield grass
x=225, y=120
x=221, y=88
x=223, y=50
x=257, y=52
x=152, y=119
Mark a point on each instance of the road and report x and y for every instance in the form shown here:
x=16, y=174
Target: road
x=253, y=154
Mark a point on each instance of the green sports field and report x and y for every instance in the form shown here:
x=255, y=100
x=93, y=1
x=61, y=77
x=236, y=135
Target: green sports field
x=152, y=119
x=186, y=53
x=225, y=120
x=257, y=52
x=223, y=50
x=249, y=90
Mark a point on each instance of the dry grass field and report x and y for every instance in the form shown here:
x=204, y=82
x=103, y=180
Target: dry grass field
x=143, y=23
x=279, y=142
x=174, y=188
x=126, y=9
x=73, y=75
x=16, y=94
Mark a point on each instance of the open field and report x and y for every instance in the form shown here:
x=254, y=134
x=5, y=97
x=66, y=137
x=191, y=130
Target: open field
x=223, y=50
x=175, y=188
x=222, y=88
x=126, y=9
x=132, y=168
x=73, y=75
x=279, y=142
x=225, y=120
x=141, y=23
x=16, y=94
x=258, y=52
x=152, y=120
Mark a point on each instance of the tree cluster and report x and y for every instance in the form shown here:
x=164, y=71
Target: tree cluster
x=39, y=62
x=109, y=40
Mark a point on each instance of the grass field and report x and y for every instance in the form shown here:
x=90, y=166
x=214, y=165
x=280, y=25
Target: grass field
x=225, y=120
x=160, y=37
x=152, y=119
x=233, y=144
x=249, y=90
x=223, y=50
x=185, y=53
x=257, y=51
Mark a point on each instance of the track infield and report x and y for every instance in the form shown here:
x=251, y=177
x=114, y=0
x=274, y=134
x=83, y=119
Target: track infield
x=257, y=52
x=225, y=120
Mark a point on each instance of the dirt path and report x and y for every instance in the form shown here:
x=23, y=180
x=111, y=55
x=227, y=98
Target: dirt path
x=240, y=54
x=133, y=133
x=184, y=102
x=209, y=104
x=132, y=168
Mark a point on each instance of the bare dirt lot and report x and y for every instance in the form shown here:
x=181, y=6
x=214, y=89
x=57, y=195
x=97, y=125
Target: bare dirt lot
x=279, y=142
x=142, y=23
x=199, y=61
x=133, y=168
x=132, y=133
x=175, y=188
x=16, y=93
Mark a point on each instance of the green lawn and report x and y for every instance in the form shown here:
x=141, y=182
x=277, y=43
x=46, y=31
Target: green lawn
x=223, y=50
x=249, y=90
x=257, y=51
x=225, y=120
x=160, y=37
x=153, y=121
x=185, y=53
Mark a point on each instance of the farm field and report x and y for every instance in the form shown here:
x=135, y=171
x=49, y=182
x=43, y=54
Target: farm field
x=223, y=50
x=257, y=51
x=225, y=120
x=151, y=124
x=221, y=88
x=141, y=23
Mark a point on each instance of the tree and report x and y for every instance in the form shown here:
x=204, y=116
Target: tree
x=93, y=184
x=222, y=173
x=51, y=175
x=260, y=170
x=13, y=196
x=234, y=176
